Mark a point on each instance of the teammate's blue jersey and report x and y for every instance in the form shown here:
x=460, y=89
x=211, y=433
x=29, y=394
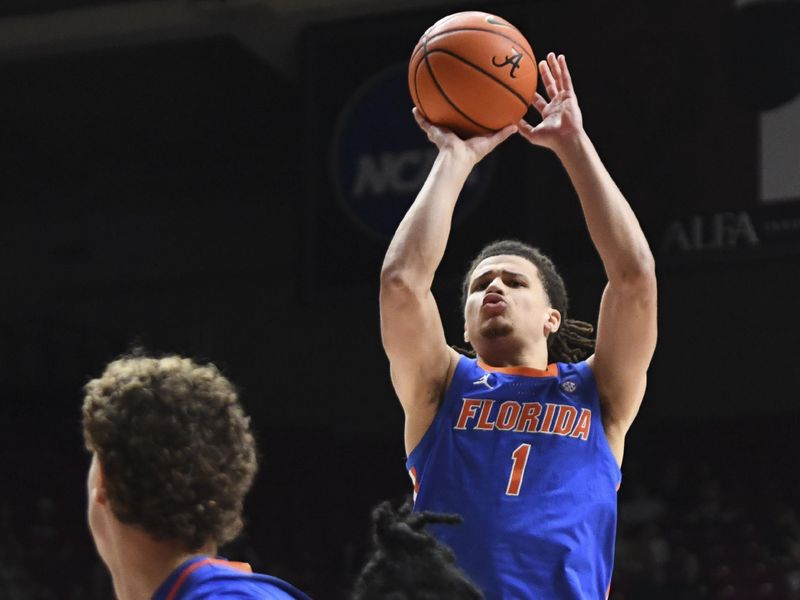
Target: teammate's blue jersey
x=522, y=456
x=203, y=578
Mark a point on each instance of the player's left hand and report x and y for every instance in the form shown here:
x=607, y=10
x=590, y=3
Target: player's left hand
x=561, y=116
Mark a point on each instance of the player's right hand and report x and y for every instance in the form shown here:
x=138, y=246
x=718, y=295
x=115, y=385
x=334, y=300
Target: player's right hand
x=472, y=149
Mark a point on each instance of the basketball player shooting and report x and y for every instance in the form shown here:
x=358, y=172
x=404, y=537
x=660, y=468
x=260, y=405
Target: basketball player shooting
x=525, y=440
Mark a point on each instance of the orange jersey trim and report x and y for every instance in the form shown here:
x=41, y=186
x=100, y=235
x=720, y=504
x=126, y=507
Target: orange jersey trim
x=551, y=371
x=237, y=566
x=176, y=587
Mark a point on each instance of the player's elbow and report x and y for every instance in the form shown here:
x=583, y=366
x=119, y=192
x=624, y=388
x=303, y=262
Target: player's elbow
x=398, y=282
x=638, y=276
x=393, y=279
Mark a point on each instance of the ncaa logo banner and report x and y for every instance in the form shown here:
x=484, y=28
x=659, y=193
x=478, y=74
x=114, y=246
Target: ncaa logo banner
x=380, y=158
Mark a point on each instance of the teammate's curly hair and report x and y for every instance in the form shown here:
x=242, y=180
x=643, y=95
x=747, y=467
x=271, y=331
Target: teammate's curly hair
x=408, y=563
x=174, y=445
x=574, y=340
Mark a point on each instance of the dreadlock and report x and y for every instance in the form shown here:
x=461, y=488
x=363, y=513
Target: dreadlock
x=573, y=341
x=408, y=562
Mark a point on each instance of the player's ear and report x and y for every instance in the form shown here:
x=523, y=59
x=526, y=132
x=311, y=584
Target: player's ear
x=99, y=493
x=552, y=322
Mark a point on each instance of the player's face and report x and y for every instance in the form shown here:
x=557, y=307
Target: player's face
x=97, y=508
x=505, y=298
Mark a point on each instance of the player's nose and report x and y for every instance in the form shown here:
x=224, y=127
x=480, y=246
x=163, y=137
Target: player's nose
x=496, y=286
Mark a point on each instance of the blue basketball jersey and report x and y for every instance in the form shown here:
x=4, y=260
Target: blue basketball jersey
x=203, y=578
x=522, y=456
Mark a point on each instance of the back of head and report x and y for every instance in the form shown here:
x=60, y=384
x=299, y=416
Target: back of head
x=573, y=341
x=174, y=446
x=409, y=563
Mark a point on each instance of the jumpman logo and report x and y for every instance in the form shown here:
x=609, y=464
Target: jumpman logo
x=483, y=381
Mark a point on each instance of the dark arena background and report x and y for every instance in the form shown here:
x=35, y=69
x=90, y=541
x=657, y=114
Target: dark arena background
x=219, y=179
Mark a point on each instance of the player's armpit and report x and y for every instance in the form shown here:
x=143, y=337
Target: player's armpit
x=421, y=410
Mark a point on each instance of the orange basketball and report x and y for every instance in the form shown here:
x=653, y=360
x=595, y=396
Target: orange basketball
x=473, y=73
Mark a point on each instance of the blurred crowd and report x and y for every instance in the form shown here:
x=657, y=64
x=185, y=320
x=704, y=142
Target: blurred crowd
x=702, y=515
x=721, y=527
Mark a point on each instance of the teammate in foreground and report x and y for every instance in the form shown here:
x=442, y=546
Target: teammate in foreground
x=526, y=440
x=172, y=460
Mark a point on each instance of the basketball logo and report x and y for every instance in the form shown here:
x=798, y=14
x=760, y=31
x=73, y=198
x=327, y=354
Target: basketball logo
x=493, y=20
x=512, y=60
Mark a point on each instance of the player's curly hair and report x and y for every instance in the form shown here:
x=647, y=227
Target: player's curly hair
x=174, y=445
x=574, y=340
x=408, y=563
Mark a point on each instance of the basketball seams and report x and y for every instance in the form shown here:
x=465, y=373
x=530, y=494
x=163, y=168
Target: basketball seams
x=424, y=43
x=517, y=95
x=441, y=90
x=439, y=23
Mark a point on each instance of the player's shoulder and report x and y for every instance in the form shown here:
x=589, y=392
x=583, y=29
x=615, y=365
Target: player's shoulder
x=462, y=368
x=583, y=368
x=577, y=377
x=462, y=363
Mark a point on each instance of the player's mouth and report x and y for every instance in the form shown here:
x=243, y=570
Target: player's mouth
x=493, y=304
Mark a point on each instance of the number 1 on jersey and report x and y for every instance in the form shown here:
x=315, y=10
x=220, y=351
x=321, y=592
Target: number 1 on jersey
x=520, y=457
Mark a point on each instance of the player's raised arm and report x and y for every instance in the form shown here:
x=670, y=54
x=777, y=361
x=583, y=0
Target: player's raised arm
x=411, y=329
x=626, y=333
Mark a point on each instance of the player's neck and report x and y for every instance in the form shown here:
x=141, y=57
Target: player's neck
x=142, y=564
x=499, y=354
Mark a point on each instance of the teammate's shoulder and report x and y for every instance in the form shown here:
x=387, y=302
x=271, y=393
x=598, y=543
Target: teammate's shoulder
x=279, y=588
x=252, y=594
x=255, y=587
x=235, y=581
